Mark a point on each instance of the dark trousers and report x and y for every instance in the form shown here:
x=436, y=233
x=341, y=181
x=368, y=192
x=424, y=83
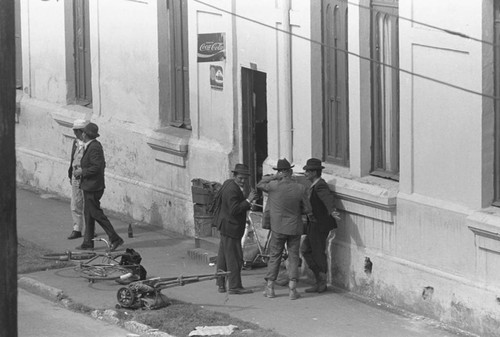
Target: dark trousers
x=93, y=212
x=313, y=250
x=230, y=258
x=276, y=246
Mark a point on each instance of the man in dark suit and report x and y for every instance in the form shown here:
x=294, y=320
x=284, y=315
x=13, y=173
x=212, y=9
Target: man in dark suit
x=91, y=174
x=231, y=222
x=321, y=223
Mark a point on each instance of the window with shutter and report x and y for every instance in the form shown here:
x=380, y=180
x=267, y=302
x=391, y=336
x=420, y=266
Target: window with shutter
x=83, y=85
x=335, y=82
x=497, y=103
x=385, y=89
x=173, y=55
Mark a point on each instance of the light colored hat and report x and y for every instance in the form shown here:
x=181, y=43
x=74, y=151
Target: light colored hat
x=79, y=124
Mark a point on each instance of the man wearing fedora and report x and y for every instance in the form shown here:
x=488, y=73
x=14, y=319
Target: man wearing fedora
x=91, y=174
x=287, y=200
x=231, y=221
x=320, y=224
x=76, y=192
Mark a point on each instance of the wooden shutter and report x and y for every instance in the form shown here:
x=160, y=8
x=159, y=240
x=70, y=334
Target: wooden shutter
x=385, y=89
x=335, y=82
x=83, y=90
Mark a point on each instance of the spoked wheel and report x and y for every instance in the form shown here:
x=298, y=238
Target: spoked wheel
x=102, y=272
x=67, y=256
x=125, y=297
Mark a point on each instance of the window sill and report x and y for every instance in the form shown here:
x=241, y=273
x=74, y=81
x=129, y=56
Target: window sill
x=66, y=115
x=369, y=196
x=170, y=145
x=486, y=227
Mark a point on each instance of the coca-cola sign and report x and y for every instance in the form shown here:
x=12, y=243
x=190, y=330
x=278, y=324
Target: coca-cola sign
x=211, y=47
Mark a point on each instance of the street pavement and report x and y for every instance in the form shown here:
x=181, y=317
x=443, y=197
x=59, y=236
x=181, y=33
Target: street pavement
x=45, y=219
x=38, y=317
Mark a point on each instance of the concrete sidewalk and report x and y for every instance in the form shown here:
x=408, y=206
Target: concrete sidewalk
x=45, y=220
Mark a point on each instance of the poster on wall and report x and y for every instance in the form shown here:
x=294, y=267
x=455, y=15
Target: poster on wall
x=216, y=77
x=211, y=47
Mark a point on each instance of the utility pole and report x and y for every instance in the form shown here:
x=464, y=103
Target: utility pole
x=8, y=233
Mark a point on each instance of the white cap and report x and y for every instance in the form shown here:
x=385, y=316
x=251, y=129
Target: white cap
x=79, y=124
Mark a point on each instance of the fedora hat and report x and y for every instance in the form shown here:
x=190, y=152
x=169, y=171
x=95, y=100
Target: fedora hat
x=313, y=164
x=283, y=164
x=91, y=130
x=79, y=124
x=241, y=169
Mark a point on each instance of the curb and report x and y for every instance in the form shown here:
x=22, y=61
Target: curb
x=110, y=316
x=41, y=289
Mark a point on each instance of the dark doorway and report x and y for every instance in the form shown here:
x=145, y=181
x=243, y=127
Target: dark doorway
x=254, y=109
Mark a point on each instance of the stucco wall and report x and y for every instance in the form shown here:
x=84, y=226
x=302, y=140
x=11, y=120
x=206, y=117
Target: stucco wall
x=43, y=39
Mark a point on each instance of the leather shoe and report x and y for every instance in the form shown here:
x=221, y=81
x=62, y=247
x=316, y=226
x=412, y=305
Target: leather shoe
x=221, y=289
x=116, y=244
x=75, y=235
x=240, y=291
x=84, y=247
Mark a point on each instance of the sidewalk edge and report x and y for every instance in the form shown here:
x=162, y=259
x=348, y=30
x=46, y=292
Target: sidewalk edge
x=57, y=295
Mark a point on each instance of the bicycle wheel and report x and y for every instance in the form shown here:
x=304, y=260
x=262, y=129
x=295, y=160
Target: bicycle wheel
x=102, y=272
x=67, y=256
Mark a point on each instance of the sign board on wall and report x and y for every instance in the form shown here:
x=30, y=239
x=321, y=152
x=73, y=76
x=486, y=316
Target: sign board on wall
x=216, y=77
x=211, y=47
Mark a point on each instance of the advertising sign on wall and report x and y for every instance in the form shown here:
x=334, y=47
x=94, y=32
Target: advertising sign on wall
x=216, y=77
x=211, y=47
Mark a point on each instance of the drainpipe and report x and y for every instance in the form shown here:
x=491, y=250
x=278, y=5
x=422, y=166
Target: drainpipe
x=285, y=117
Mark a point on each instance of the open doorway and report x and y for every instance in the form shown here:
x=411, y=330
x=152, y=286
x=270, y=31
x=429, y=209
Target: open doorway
x=254, y=109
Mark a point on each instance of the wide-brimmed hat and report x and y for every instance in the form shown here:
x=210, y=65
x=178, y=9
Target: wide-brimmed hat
x=313, y=164
x=91, y=130
x=241, y=169
x=79, y=124
x=283, y=164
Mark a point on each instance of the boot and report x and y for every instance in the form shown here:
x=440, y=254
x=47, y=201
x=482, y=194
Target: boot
x=269, y=290
x=321, y=282
x=314, y=288
x=293, y=293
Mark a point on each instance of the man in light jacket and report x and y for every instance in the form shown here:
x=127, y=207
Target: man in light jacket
x=287, y=201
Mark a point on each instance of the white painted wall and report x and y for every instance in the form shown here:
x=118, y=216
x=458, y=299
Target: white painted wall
x=441, y=126
x=124, y=53
x=43, y=38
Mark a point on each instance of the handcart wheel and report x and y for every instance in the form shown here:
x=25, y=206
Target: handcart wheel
x=125, y=297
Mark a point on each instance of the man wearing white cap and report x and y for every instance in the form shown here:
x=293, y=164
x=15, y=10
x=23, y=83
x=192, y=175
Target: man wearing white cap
x=76, y=192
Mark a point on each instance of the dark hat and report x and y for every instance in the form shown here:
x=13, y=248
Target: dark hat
x=241, y=169
x=283, y=164
x=313, y=164
x=91, y=130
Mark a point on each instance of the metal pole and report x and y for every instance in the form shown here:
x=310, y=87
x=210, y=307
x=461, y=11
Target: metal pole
x=8, y=234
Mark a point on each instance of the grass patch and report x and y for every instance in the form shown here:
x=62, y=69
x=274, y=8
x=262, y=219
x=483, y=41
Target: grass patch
x=180, y=318
x=29, y=260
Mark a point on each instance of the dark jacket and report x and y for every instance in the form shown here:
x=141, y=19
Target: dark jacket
x=93, y=165
x=323, y=204
x=231, y=219
x=73, y=150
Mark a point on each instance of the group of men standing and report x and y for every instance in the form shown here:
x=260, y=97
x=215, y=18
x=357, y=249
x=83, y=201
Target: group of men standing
x=86, y=174
x=288, y=202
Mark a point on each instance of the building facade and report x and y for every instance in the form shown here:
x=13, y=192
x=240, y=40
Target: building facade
x=397, y=97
